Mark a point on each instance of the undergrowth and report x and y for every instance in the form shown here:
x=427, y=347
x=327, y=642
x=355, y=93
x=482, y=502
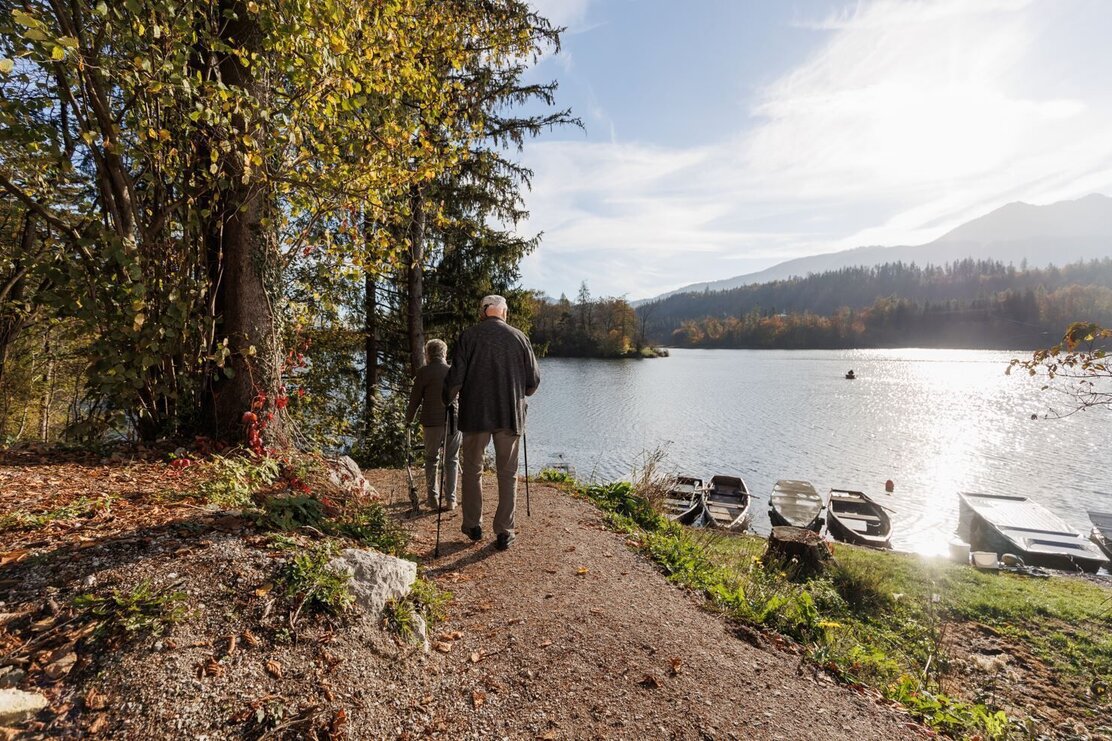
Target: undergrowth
x=314, y=584
x=425, y=600
x=233, y=479
x=145, y=609
x=82, y=507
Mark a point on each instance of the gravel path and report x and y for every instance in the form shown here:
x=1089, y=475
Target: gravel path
x=571, y=634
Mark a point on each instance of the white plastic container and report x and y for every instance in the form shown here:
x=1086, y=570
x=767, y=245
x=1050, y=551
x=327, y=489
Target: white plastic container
x=959, y=551
x=984, y=560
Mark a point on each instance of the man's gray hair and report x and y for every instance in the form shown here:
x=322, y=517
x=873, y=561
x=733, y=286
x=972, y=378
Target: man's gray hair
x=498, y=302
x=436, y=350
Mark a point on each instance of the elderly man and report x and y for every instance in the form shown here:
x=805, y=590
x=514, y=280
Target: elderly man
x=493, y=370
x=427, y=394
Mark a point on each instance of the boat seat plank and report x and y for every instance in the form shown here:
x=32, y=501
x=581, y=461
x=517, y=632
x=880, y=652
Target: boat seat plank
x=855, y=516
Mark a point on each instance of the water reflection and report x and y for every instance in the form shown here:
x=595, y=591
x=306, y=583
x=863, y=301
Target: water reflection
x=934, y=421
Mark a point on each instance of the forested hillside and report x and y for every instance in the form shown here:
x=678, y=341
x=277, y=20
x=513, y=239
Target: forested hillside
x=964, y=304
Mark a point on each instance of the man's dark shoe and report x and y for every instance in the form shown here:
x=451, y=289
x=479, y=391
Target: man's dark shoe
x=505, y=540
x=475, y=533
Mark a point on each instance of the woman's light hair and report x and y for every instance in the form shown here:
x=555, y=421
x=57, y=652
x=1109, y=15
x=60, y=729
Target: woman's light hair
x=436, y=350
x=498, y=302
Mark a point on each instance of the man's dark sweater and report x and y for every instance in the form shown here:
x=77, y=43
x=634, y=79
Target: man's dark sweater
x=493, y=369
x=427, y=393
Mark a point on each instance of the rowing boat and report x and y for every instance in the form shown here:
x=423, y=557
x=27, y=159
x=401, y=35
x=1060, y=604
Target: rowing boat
x=726, y=503
x=795, y=503
x=852, y=517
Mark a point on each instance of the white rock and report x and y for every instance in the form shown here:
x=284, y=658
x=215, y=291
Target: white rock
x=375, y=578
x=17, y=706
x=344, y=474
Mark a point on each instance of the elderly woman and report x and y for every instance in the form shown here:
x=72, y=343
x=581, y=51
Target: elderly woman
x=427, y=394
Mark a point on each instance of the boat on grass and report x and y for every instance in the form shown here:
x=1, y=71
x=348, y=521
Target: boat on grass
x=684, y=501
x=1004, y=523
x=852, y=517
x=1102, y=531
x=726, y=503
x=795, y=503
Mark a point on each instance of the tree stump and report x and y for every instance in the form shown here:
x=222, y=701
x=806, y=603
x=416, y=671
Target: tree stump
x=801, y=553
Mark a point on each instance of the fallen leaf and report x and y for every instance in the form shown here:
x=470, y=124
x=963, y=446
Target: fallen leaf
x=337, y=729
x=232, y=644
x=13, y=556
x=443, y=646
x=210, y=668
x=582, y=570
x=99, y=724
x=62, y=666
x=274, y=669
x=94, y=700
x=251, y=639
x=650, y=681
x=264, y=590
x=676, y=663
x=485, y=606
x=478, y=698
x=548, y=735
x=544, y=644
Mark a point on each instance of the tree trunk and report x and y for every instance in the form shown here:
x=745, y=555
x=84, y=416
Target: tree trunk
x=801, y=553
x=47, y=399
x=415, y=280
x=13, y=317
x=243, y=255
x=370, y=349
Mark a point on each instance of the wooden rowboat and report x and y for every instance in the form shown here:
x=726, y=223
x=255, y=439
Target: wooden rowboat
x=852, y=517
x=727, y=503
x=684, y=501
x=797, y=504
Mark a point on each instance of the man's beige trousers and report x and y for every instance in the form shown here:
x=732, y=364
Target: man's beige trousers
x=505, y=466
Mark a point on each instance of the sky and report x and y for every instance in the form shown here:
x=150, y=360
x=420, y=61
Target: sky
x=722, y=137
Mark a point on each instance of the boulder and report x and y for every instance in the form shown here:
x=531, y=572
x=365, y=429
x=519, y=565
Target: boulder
x=375, y=578
x=344, y=474
x=17, y=706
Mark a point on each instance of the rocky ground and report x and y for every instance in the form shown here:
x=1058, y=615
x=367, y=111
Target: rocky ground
x=569, y=634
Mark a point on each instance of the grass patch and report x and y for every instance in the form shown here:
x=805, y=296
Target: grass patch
x=145, y=609
x=882, y=619
x=82, y=507
x=425, y=599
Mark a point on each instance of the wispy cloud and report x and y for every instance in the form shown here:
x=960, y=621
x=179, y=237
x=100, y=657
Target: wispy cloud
x=908, y=118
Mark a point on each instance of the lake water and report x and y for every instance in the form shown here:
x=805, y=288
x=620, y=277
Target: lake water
x=936, y=422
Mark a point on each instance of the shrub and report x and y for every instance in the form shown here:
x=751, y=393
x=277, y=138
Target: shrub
x=287, y=513
x=424, y=599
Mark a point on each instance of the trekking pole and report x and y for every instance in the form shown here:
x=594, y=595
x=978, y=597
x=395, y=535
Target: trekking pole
x=413, y=500
x=443, y=480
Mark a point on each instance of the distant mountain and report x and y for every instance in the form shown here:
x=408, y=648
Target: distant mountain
x=1058, y=233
